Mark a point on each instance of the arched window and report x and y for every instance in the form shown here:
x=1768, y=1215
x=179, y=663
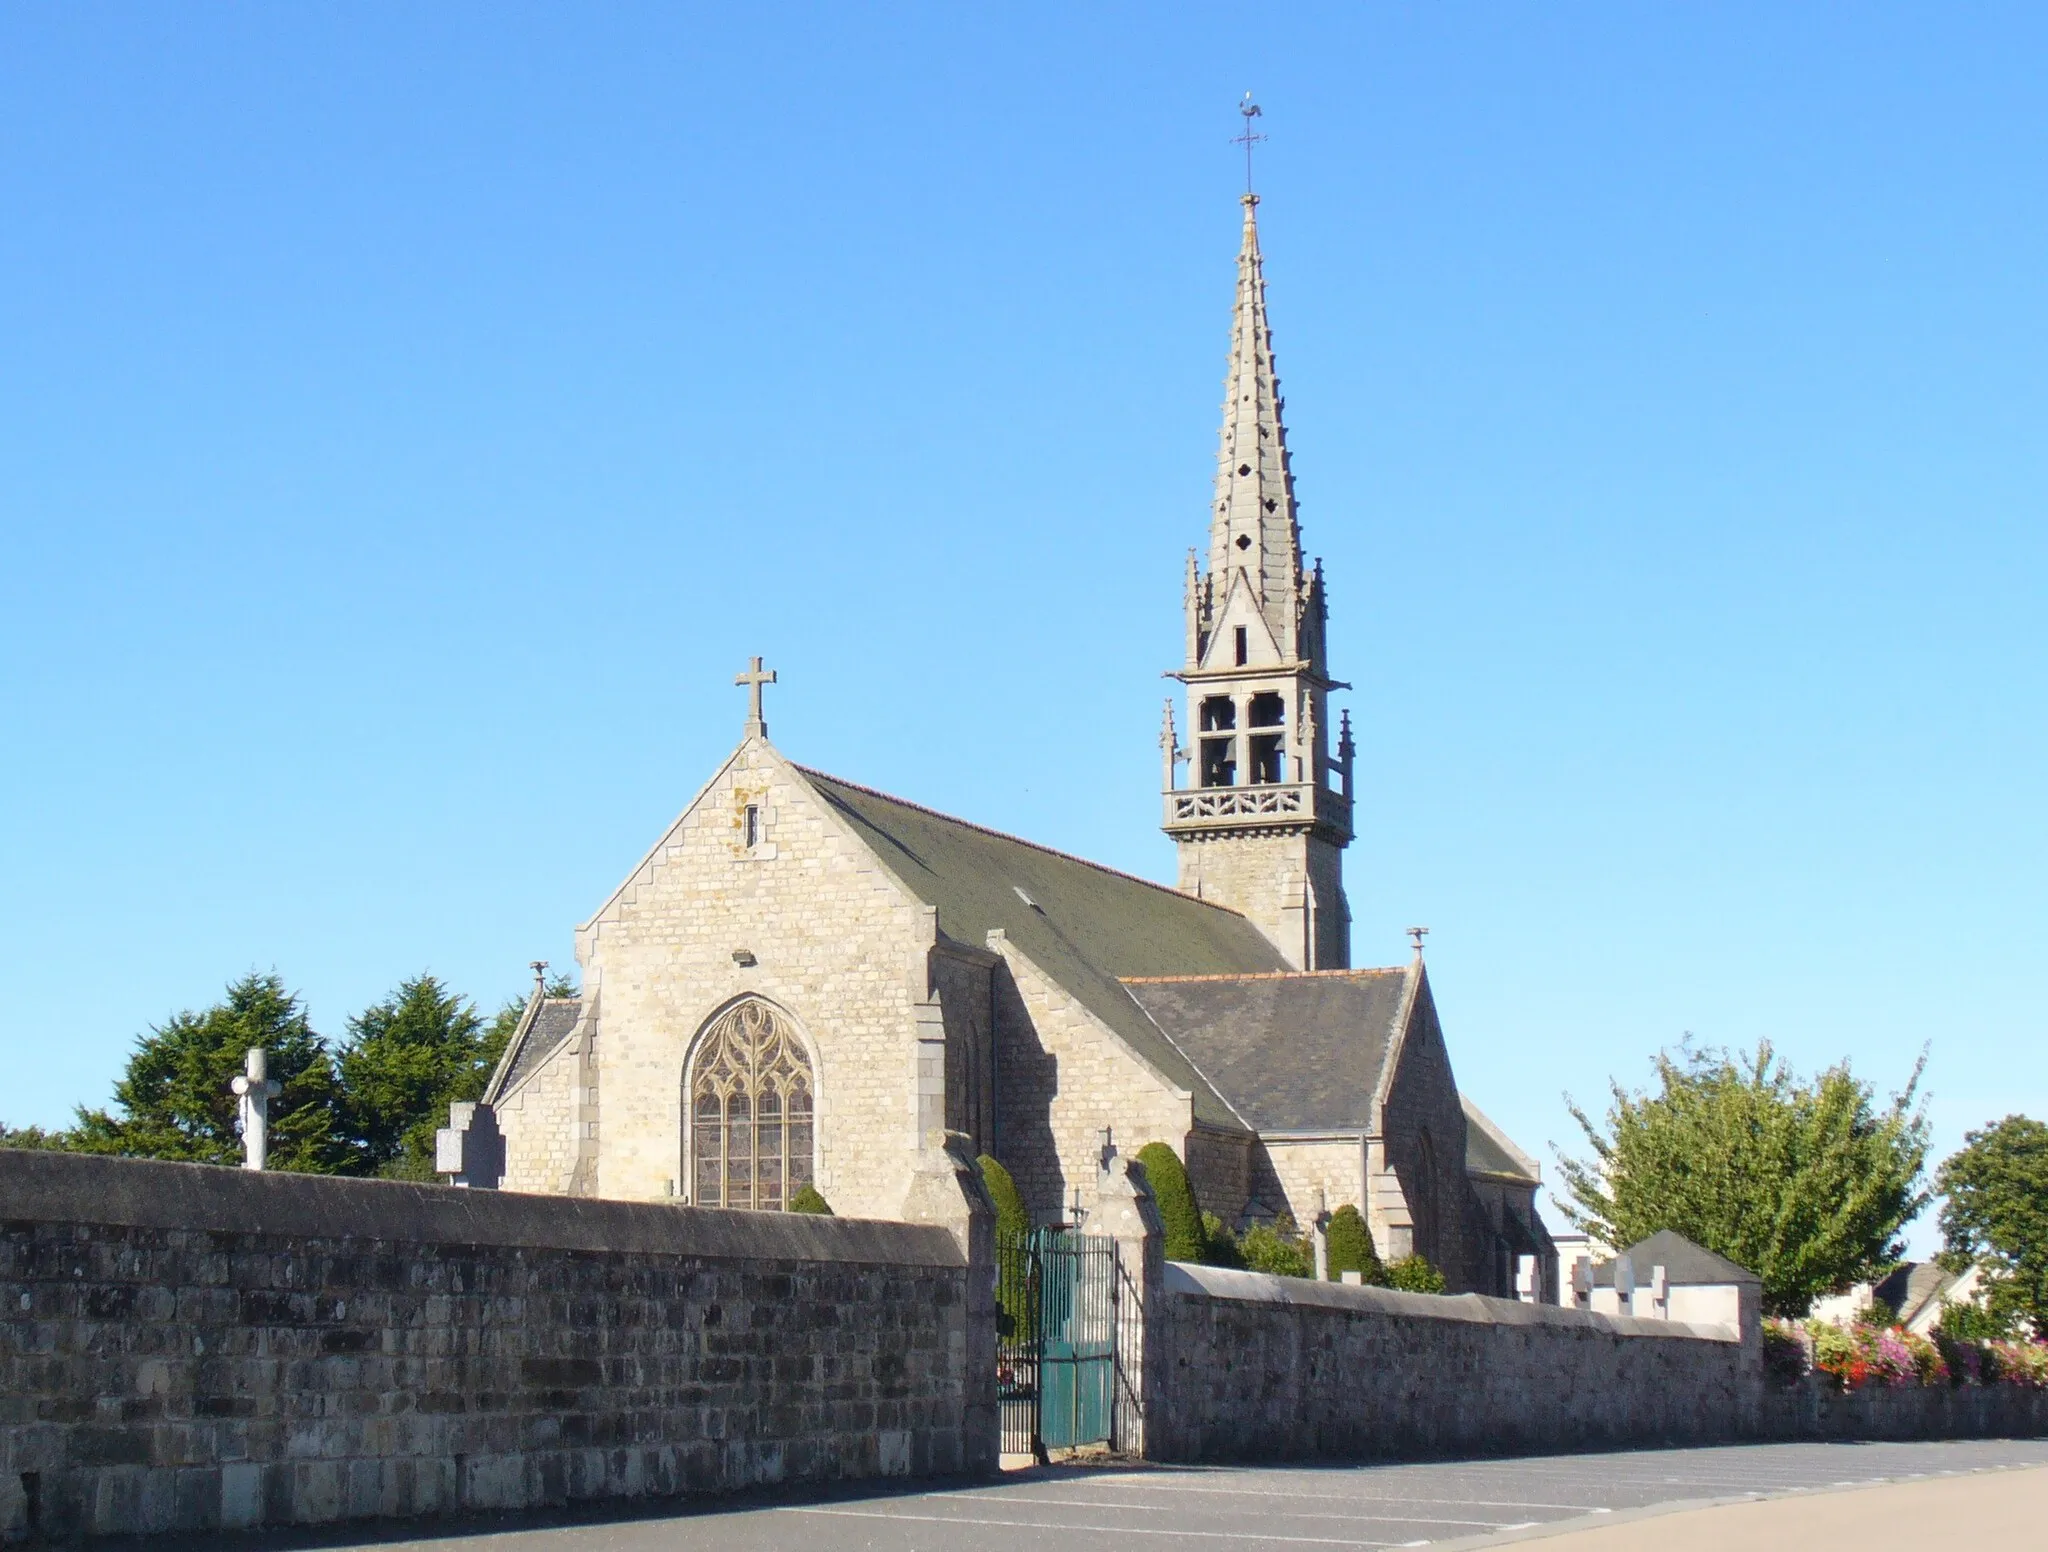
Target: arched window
x=750, y=1111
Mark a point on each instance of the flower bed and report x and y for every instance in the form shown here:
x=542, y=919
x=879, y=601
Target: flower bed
x=1857, y=1357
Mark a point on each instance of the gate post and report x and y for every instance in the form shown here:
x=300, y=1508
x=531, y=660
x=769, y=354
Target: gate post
x=1126, y=1212
x=946, y=1189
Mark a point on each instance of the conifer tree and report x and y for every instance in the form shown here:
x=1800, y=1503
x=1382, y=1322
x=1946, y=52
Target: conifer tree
x=404, y=1060
x=173, y=1100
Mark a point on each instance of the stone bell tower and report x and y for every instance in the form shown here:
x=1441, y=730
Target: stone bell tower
x=1263, y=820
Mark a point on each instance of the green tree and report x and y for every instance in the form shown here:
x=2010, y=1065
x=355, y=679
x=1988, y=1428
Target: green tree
x=404, y=1059
x=173, y=1101
x=1012, y=1221
x=1351, y=1247
x=1996, y=1214
x=1179, y=1212
x=32, y=1137
x=1806, y=1184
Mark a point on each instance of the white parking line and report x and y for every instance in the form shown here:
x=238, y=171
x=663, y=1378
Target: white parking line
x=1107, y=1530
x=1299, y=1514
x=1281, y=1492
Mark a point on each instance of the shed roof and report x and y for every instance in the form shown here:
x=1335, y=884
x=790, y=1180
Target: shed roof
x=548, y=1021
x=1300, y=1051
x=1685, y=1264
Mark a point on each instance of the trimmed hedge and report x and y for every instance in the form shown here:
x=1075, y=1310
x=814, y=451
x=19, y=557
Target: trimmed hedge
x=1351, y=1248
x=808, y=1199
x=1012, y=1221
x=1178, y=1210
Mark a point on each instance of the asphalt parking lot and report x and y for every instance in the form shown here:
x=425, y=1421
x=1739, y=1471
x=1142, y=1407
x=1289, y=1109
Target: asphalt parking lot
x=1078, y=1509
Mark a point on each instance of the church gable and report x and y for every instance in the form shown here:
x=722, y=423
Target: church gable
x=759, y=891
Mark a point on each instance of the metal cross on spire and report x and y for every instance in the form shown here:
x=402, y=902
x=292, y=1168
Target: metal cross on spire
x=1250, y=110
x=753, y=679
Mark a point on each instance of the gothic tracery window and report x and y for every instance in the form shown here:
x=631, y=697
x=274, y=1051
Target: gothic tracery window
x=750, y=1111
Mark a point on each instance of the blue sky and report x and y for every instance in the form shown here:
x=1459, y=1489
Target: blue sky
x=411, y=417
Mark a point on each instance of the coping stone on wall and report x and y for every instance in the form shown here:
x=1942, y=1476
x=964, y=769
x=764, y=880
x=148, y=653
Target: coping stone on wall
x=1216, y=1282
x=48, y=1187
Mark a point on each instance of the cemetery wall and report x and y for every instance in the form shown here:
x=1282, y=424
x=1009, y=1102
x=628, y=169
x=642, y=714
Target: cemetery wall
x=185, y=1348
x=1256, y=1367
x=1815, y=1409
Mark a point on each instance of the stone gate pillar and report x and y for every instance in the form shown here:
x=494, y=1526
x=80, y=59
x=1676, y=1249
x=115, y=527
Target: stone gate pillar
x=1126, y=1212
x=946, y=1190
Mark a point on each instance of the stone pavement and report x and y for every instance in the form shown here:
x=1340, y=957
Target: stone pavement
x=1969, y=1492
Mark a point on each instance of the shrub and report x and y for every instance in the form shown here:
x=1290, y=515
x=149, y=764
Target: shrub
x=1414, y=1274
x=1856, y=1356
x=1220, y=1245
x=1179, y=1212
x=2019, y=1363
x=1279, y=1248
x=1012, y=1221
x=1929, y=1366
x=1351, y=1248
x=1972, y=1322
x=808, y=1199
x=1784, y=1352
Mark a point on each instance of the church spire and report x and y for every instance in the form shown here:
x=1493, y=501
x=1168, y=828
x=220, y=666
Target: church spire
x=1253, y=528
x=1262, y=824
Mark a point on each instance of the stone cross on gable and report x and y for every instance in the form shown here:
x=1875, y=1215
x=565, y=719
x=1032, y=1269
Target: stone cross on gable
x=754, y=678
x=255, y=1088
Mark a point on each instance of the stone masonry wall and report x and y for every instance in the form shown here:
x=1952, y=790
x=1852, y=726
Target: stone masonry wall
x=1063, y=1077
x=539, y=1122
x=1271, y=1368
x=191, y=1348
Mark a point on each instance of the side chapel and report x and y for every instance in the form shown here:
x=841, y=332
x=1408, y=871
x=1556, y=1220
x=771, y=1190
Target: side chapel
x=804, y=975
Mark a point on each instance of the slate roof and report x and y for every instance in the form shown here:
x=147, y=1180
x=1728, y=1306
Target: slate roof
x=539, y=1033
x=1685, y=1264
x=1484, y=1150
x=1914, y=1286
x=1294, y=1052
x=1082, y=924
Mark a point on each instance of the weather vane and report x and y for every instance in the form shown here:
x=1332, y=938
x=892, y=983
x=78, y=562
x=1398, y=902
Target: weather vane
x=1250, y=110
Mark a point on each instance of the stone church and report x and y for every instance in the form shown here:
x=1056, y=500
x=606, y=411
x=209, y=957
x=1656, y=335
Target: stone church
x=804, y=976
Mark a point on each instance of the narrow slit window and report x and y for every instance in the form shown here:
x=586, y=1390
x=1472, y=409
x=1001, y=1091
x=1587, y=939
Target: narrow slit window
x=1244, y=647
x=751, y=826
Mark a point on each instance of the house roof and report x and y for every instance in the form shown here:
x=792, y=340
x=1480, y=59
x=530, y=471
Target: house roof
x=1685, y=1264
x=1292, y=1052
x=1082, y=924
x=1913, y=1286
x=548, y=1021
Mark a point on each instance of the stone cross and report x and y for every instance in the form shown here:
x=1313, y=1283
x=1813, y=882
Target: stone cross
x=255, y=1089
x=754, y=678
x=1319, y=1233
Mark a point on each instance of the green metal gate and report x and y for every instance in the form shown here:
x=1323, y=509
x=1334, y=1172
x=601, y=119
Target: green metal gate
x=1057, y=1350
